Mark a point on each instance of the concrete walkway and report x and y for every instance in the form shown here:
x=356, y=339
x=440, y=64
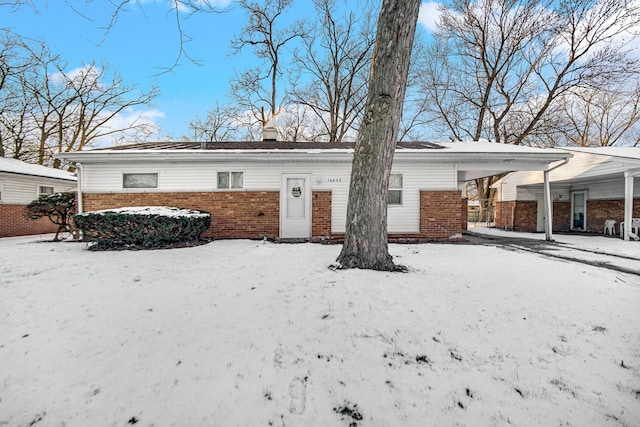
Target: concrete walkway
x=601, y=251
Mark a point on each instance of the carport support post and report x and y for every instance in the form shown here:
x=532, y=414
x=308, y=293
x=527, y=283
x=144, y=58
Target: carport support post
x=628, y=201
x=548, y=211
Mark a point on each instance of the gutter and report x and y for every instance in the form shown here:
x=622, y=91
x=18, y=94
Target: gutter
x=564, y=162
x=79, y=192
x=548, y=202
x=307, y=156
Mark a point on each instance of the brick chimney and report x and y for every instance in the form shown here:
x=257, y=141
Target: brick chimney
x=269, y=133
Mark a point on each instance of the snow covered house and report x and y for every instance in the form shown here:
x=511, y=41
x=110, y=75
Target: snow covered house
x=20, y=184
x=595, y=185
x=294, y=190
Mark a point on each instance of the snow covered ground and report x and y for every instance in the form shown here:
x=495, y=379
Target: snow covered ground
x=596, y=243
x=245, y=333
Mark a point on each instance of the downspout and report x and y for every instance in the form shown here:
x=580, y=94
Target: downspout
x=548, y=206
x=79, y=193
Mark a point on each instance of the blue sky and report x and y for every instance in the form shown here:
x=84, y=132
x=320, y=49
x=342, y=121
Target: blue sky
x=144, y=43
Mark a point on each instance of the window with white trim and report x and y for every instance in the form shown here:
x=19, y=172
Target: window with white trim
x=395, y=189
x=230, y=180
x=1, y=190
x=140, y=180
x=45, y=190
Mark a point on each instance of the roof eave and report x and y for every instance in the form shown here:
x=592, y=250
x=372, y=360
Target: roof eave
x=434, y=156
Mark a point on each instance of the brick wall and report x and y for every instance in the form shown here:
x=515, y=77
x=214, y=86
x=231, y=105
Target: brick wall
x=321, y=213
x=14, y=223
x=253, y=214
x=250, y=214
x=441, y=214
x=234, y=214
x=597, y=212
x=525, y=216
x=561, y=216
x=503, y=214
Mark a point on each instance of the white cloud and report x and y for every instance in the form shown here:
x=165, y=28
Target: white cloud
x=186, y=6
x=429, y=15
x=141, y=125
x=87, y=75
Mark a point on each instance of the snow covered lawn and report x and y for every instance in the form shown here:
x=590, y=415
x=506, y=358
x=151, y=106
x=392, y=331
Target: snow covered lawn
x=242, y=333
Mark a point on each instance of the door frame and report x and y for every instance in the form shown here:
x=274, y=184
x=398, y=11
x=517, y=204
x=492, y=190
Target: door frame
x=284, y=234
x=584, y=209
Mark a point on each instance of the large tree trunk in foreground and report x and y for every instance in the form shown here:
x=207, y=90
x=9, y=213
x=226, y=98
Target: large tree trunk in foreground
x=365, y=245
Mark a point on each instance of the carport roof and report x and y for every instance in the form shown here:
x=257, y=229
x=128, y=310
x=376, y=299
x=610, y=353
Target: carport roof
x=588, y=164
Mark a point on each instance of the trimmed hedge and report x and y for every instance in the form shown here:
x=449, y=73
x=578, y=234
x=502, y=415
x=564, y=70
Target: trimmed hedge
x=142, y=228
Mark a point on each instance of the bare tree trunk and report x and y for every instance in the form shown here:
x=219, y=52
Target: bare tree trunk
x=365, y=245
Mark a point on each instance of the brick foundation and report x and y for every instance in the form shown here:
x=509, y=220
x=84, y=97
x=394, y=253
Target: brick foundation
x=254, y=214
x=525, y=217
x=14, y=223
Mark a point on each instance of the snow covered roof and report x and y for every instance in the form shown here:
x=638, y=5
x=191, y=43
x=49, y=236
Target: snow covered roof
x=626, y=152
x=472, y=159
x=208, y=150
x=283, y=146
x=22, y=168
x=257, y=145
x=587, y=164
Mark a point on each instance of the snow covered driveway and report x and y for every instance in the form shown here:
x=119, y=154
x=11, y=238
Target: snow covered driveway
x=241, y=333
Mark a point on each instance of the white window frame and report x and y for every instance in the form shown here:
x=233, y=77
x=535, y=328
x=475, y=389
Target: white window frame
x=229, y=181
x=1, y=190
x=395, y=188
x=41, y=193
x=140, y=184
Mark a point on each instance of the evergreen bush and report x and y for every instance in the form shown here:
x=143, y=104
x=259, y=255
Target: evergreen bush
x=58, y=207
x=142, y=228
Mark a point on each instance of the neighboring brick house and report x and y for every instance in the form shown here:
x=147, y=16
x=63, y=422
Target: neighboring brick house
x=294, y=190
x=20, y=184
x=595, y=185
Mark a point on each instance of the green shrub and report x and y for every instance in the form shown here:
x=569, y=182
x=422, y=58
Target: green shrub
x=142, y=228
x=58, y=207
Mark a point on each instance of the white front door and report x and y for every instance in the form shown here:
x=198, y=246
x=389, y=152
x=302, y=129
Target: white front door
x=295, y=206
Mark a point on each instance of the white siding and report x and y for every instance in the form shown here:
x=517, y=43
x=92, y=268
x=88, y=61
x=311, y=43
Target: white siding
x=609, y=189
x=107, y=178
x=334, y=177
x=23, y=189
x=405, y=218
x=584, y=165
x=600, y=175
x=508, y=186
